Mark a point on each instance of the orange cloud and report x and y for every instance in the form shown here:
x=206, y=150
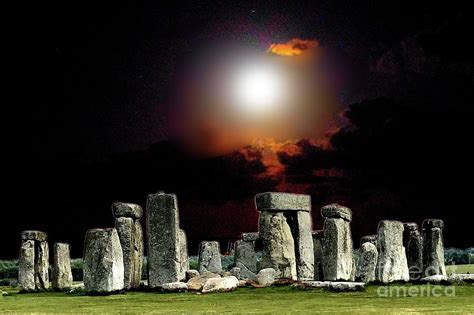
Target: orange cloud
x=294, y=47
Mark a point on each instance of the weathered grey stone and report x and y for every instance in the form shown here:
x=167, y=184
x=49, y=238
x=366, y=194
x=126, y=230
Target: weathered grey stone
x=245, y=255
x=34, y=236
x=26, y=266
x=42, y=265
x=434, y=279
x=301, y=226
x=337, y=250
x=126, y=231
x=251, y=236
x=310, y=284
x=367, y=263
x=245, y=273
x=191, y=273
x=224, y=284
x=196, y=283
x=413, y=243
x=346, y=286
x=235, y=271
x=336, y=211
x=209, y=259
x=266, y=277
x=139, y=249
x=433, y=248
x=318, y=254
x=433, y=223
x=183, y=254
x=355, y=262
x=462, y=277
x=392, y=262
x=62, y=274
x=175, y=287
x=276, y=201
x=103, y=261
x=368, y=238
x=278, y=244
x=163, y=239
x=128, y=210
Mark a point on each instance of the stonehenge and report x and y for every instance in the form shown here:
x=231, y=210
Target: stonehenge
x=367, y=263
x=33, y=263
x=337, y=245
x=127, y=222
x=285, y=227
x=413, y=243
x=165, y=250
x=392, y=261
x=62, y=274
x=318, y=237
x=103, y=261
x=209, y=257
x=433, y=248
x=245, y=258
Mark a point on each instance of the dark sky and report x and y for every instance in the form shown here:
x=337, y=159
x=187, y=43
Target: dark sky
x=99, y=82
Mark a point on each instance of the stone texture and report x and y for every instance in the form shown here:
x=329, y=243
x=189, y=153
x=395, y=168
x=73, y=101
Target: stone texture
x=163, y=239
x=433, y=248
x=42, y=266
x=62, y=274
x=392, y=262
x=139, y=249
x=266, y=277
x=245, y=255
x=225, y=284
x=368, y=238
x=34, y=236
x=245, y=273
x=413, y=243
x=278, y=244
x=318, y=254
x=301, y=226
x=209, y=259
x=175, y=287
x=103, y=261
x=191, y=273
x=126, y=231
x=338, y=286
x=235, y=271
x=26, y=266
x=462, y=277
x=435, y=279
x=276, y=201
x=337, y=250
x=367, y=263
x=128, y=210
x=250, y=237
x=183, y=254
x=336, y=211
x=196, y=283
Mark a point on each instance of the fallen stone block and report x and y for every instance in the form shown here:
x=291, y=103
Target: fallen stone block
x=225, y=284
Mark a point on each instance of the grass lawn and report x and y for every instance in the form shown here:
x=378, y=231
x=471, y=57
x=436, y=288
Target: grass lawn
x=460, y=268
x=246, y=300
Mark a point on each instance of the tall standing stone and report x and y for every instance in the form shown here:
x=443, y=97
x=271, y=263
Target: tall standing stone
x=164, y=254
x=318, y=237
x=139, y=255
x=209, y=259
x=245, y=259
x=62, y=274
x=103, y=261
x=392, y=262
x=126, y=231
x=33, y=272
x=183, y=254
x=413, y=243
x=367, y=263
x=337, y=248
x=433, y=248
x=278, y=212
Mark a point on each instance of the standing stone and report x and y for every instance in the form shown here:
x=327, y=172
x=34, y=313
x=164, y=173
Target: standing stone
x=278, y=245
x=42, y=266
x=209, y=257
x=127, y=210
x=126, y=232
x=367, y=263
x=392, y=262
x=162, y=222
x=433, y=248
x=26, y=266
x=368, y=238
x=139, y=253
x=103, y=261
x=413, y=243
x=245, y=259
x=62, y=275
x=183, y=254
x=301, y=226
x=318, y=254
x=337, y=248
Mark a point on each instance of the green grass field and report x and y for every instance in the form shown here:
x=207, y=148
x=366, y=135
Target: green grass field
x=273, y=300
x=460, y=268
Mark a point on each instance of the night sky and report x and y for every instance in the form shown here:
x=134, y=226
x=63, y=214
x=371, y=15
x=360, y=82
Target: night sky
x=105, y=84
